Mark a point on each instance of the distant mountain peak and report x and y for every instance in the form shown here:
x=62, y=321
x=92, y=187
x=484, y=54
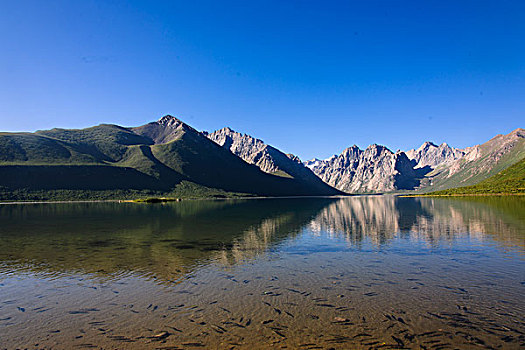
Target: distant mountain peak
x=427, y=144
x=227, y=129
x=351, y=149
x=375, y=146
x=432, y=155
x=166, y=129
x=354, y=146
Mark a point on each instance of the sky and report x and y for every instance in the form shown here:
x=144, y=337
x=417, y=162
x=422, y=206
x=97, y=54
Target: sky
x=308, y=77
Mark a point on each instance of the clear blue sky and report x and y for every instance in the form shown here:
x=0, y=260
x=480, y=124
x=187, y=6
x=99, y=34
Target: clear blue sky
x=309, y=77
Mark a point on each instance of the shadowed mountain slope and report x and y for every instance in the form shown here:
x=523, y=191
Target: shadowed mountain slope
x=268, y=158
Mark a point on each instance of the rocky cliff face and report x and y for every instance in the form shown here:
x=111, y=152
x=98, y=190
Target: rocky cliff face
x=252, y=150
x=432, y=155
x=266, y=157
x=375, y=169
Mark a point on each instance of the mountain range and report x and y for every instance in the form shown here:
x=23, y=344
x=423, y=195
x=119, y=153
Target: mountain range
x=165, y=157
x=170, y=158
x=428, y=168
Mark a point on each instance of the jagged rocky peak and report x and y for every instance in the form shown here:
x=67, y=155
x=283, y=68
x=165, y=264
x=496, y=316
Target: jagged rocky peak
x=169, y=120
x=173, y=122
x=376, y=150
x=227, y=130
x=222, y=133
x=228, y=133
x=431, y=155
x=427, y=145
x=378, y=169
x=350, y=151
x=250, y=149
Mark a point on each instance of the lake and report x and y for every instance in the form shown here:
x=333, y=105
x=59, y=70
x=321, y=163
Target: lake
x=364, y=272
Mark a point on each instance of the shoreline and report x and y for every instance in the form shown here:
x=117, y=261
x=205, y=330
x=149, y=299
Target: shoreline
x=138, y=201
x=168, y=200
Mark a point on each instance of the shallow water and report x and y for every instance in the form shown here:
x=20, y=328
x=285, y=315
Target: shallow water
x=353, y=273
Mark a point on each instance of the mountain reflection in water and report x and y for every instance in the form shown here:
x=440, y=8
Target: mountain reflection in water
x=381, y=219
x=165, y=241
x=168, y=241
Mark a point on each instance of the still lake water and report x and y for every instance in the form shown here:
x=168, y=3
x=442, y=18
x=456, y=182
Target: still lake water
x=318, y=273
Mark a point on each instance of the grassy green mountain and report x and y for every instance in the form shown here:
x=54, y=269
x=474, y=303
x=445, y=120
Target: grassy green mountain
x=508, y=181
x=166, y=157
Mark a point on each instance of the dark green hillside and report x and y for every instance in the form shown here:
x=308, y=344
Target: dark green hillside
x=99, y=144
x=111, y=162
x=508, y=181
x=31, y=148
x=105, y=143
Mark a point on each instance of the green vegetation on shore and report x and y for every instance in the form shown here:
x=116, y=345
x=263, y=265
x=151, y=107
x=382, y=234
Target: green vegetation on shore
x=509, y=181
x=184, y=190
